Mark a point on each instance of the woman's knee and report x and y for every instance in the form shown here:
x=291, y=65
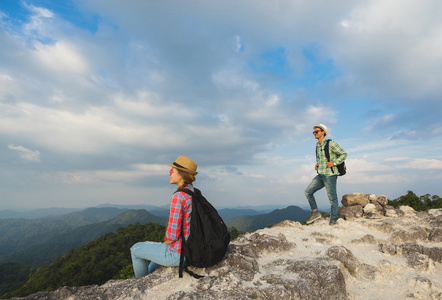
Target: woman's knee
x=136, y=246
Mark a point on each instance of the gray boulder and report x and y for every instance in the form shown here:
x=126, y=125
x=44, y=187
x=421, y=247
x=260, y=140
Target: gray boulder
x=265, y=243
x=241, y=262
x=380, y=200
x=435, y=235
x=413, y=234
x=350, y=212
x=390, y=211
x=355, y=199
x=308, y=280
x=366, y=239
x=353, y=265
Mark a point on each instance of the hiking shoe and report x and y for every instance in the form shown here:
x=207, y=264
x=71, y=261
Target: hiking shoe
x=315, y=216
x=333, y=222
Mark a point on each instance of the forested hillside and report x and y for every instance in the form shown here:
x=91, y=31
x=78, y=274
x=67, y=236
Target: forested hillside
x=46, y=240
x=17, y=234
x=16, y=267
x=94, y=263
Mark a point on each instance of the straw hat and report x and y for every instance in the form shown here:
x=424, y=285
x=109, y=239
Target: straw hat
x=185, y=164
x=323, y=127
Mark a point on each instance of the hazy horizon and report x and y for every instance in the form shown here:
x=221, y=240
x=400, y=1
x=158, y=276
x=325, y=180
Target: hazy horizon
x=166, y=206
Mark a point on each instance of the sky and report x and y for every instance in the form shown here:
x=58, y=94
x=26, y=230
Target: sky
x=97, y=97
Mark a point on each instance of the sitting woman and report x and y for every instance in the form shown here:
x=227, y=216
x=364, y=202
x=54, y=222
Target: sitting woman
x=168, y=253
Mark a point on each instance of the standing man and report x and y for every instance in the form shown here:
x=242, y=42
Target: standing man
x=327, y=174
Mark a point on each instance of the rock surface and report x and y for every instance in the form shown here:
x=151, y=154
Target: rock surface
x=363, y=258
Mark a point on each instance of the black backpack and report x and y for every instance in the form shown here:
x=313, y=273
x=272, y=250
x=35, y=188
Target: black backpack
x=209, y=238
x=342, y=169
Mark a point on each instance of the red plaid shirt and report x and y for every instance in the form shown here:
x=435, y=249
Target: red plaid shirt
x=181, y=206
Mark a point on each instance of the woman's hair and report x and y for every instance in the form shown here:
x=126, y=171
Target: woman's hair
x=187, y=179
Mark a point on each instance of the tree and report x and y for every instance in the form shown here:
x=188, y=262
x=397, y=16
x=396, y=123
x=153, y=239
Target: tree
x=421, y=203
x=234, y=233
x=93, y=263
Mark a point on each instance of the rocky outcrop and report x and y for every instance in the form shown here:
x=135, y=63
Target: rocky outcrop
x=359, y=258
x=354, y=266
x=355, y=199
x=370, y=206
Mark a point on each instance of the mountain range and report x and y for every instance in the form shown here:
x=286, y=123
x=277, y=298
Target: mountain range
x=248, y=223
x=161, y=211
x=38, y=241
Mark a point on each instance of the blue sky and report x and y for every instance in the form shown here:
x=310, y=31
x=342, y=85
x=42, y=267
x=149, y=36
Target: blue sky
x=97, y=97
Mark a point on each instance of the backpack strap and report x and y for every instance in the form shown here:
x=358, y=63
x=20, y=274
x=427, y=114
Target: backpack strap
x=327, y=153
x=327, y=150
x=183, y=265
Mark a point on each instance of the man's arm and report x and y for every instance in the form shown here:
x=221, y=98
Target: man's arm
x=340, y=154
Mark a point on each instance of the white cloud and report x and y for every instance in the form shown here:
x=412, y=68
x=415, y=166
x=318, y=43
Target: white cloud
x=61, y=57
x=393, y=52
x=41, y=12
x=420, y=164
x=26, y=154
x=229, y=78
x=150, y=105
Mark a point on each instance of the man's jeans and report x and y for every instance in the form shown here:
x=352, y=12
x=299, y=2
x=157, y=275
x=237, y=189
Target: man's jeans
x=330, y=184
x=157, y=253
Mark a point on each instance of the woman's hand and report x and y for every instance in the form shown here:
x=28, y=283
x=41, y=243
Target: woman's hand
x=168, y=242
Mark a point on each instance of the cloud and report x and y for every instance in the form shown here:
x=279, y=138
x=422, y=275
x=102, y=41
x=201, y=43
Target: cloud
x=235, y=87
x=26, y=154
x=378, y=33
x=119, y=177
x=60, y=57
x=419, y=164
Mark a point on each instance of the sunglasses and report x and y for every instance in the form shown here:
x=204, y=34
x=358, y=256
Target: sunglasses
x=170, y=172
x=316, y=131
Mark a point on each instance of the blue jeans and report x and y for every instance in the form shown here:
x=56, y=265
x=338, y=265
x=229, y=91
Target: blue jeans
x=330, y=185
x=157, y=253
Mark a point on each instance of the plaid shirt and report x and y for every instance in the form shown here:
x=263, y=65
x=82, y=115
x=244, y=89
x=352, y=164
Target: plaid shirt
x=337, y=155
x=181, y=206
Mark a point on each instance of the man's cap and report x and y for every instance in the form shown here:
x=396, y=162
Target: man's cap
x=323, y=127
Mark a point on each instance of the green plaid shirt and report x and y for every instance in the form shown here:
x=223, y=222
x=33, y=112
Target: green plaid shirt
x=337, y=155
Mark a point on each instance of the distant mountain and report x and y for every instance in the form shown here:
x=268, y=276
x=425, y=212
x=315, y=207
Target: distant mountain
x=39, y=241
x=37, y=213
x=16, y=234
x=140, y=216
x=225, y=213
x=268, y=207
x=252, y=223
x=56, y=211
x=231, y=213
x=147, y=207
x=56, y=245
